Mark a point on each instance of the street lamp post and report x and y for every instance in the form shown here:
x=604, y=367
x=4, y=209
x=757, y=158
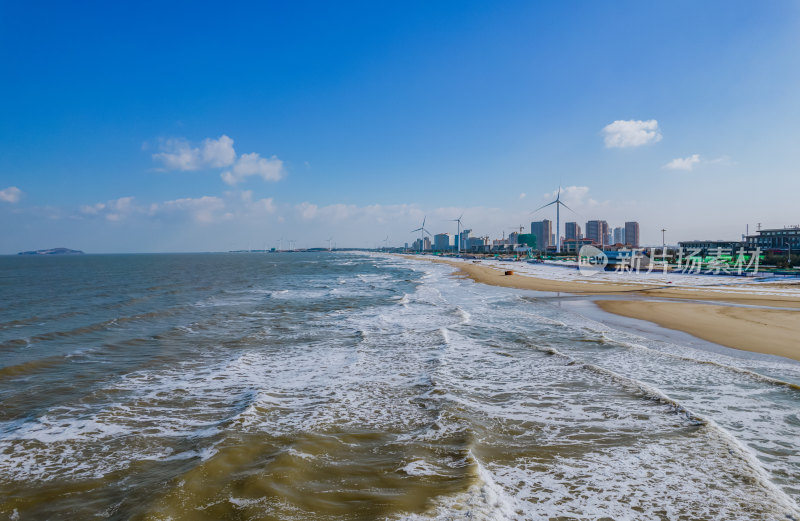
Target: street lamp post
x=788, y=244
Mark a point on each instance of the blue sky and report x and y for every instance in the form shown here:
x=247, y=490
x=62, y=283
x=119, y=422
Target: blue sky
x=197, y=127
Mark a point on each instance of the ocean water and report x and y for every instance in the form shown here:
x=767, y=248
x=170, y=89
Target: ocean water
x=353, y=386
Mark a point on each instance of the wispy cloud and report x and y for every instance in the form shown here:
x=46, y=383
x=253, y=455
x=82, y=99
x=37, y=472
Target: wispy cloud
x=631, y=133
x=374, y=214
x=573, y=196
x=12, y=195
x=113, y=210
x=722, y=160
x=689, y=163
x=235, y=217
x=205, y=209
x=683, y=163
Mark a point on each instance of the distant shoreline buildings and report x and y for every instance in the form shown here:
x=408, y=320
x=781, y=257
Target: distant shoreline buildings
x=542, y=237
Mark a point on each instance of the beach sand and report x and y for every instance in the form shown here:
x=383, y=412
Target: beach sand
x=769, y=331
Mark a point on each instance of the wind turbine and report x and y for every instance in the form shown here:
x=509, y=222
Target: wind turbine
x=422, y=231
x=458, y=237
x=329, y=243
x=558, y=204
x=386, y=243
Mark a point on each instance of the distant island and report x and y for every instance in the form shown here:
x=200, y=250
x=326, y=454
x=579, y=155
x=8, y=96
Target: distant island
x=52, y=251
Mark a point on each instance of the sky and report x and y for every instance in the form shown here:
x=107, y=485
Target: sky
x=171, y=126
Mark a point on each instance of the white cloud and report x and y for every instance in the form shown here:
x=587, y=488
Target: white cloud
x=307, y=210
x=234, y=205
x=219, y=153
x=113, y=210
x=372, y=214
x=522, y=195
x=178, y=154
x=269, y=169
x=93, y=209
x=205, y=209
x=12, y=195
x=631, y=133
x=266, y=204
x=683, y=163
x=262, y=205
x=573, y=196
x=722, y=160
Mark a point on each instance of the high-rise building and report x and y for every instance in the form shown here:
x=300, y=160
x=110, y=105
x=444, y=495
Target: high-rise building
x=513, y=238
x=441, y=242
x=572, y=231
x=619, y=235
x=632, y=234
x=426, y=244
x=461, y=240
x=543, y=230
x=597, y=231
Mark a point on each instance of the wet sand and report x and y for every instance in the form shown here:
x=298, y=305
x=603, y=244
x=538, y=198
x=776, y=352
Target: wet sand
x=768, y=331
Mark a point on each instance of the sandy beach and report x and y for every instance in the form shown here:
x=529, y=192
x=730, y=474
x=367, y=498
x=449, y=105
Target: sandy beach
x=749, y=325
x=772, y=331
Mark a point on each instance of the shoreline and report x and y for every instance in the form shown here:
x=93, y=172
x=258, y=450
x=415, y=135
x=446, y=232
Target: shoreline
x=749, y=325
x=760, y=330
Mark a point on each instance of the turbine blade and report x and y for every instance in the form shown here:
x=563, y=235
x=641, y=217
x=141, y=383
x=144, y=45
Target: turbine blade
x=545, y=206
x=568, y=208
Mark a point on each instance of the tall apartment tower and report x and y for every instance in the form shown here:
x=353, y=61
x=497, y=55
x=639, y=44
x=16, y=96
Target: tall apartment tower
x=619, y=235
x=543, y=230
x=441, y=242
x=572, y=231
x=597, y=231
x=632, y=234
x=463, y=239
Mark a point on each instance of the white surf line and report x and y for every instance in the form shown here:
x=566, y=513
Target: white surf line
x=733, y=444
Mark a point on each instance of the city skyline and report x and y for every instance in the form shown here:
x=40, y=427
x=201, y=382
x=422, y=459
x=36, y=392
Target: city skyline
x=680, y=116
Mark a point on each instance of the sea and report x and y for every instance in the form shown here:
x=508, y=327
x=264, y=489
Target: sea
x=358, y=386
